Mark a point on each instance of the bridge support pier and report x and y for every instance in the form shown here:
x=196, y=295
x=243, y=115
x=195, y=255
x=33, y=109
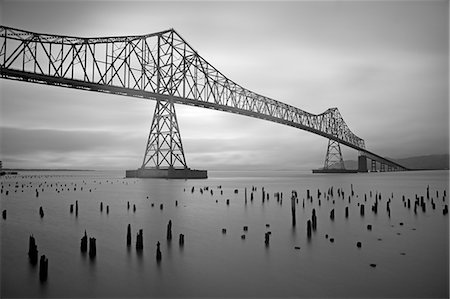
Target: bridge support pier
x=362, y=163
x=373, y=167
x=334, y=163
x=164, y=154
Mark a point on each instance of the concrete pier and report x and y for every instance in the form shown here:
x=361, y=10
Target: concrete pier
x=362, y=164
x=167, y=173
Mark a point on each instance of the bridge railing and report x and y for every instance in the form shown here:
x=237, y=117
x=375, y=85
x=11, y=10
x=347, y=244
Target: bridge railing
x=161, y=63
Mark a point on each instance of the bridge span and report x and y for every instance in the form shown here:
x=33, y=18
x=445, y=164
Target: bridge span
x=163, y=67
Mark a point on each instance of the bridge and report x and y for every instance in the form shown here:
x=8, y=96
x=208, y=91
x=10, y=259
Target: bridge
x=163, y=67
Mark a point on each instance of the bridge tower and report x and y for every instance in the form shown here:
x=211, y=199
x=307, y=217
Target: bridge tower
x=164, y=154
x=333, y=158
x=334, y=162
x=164, y=147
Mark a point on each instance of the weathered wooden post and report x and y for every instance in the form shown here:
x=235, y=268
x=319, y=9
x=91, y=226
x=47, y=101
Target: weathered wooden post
x=169, y=230
x=158, y=251
x=32, y=250
x=92, y=248
x=43, y=268
x=129, y=235
x=83, y=246
x=293, y=210
x=181, y=240
x=308, y=228
x=139, y=240
x=314, y=220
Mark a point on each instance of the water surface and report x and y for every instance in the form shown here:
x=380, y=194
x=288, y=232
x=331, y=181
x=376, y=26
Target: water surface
x=411, y=259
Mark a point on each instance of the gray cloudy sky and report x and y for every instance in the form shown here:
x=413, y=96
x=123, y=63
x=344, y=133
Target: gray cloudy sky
x=384, y=64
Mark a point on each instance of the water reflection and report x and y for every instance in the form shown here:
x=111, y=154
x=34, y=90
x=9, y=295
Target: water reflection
x=212, y=263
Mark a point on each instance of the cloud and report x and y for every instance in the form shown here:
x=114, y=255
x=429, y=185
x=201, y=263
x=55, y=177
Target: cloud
x=67, y=148
x=383, y=64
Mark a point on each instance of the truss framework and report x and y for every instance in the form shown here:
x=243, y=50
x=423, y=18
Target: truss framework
x=333, y=158
x=164, y=148
x=153, y=66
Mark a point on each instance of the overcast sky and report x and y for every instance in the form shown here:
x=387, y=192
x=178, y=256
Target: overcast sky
x=384, y=64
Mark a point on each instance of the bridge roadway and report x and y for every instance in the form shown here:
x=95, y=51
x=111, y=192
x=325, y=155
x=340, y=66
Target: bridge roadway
x=74, y=63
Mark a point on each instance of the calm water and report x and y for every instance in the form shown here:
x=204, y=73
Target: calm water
x=411, y=259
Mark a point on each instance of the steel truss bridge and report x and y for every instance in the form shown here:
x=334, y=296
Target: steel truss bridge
x=163, y=67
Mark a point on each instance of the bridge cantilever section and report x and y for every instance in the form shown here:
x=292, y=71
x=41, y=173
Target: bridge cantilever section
x=158, y=66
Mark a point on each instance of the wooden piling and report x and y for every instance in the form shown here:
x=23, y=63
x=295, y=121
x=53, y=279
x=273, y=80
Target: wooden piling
x=139, y=240
x=43, y=268
x=169, y=230
x=308, y=228
x=158, y=251
x=129, y=235
x=314, y=219
x=84, y=243
x=293, y=210
x=181, y=240
x=32, y=250
x=92, y=248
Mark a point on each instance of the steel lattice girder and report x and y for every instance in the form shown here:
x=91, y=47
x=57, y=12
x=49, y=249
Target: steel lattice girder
x=161, y=66
x=164, y=147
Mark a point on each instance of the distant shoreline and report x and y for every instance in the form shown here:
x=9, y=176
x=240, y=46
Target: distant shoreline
x=43, y=169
